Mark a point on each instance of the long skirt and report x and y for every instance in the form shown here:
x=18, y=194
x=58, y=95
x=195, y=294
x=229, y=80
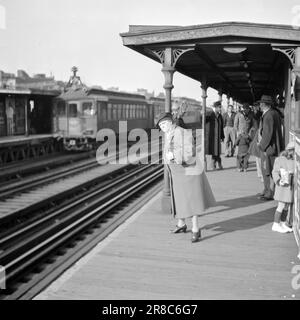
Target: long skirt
x=191, y=193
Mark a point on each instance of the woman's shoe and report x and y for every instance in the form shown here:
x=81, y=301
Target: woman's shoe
x=196, y=236
x=179, y=229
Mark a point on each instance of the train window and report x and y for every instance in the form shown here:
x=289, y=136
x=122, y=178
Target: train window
x=109, y=107
x=123, y=106
x=73, y=110
x=88, y=109
x=134, y=112
x=114, y=112
x=61, y=108
x=119, y=111
x=127, y=111
x=144, y=112
x=141, y=112
x=104, y=113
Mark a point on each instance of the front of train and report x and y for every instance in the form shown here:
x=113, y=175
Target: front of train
x=75, y=120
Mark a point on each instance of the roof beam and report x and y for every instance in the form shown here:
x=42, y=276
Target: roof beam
x=207, y=60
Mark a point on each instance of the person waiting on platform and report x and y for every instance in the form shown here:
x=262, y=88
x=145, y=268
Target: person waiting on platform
x=243, y=142
x=214, y=120
x=191, y=193
x=270, y=144
x=229, y=131
x=282, y=173
x=243, y=120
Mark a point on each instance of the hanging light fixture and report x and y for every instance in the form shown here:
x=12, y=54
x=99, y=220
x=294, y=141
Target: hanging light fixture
x=234, y=49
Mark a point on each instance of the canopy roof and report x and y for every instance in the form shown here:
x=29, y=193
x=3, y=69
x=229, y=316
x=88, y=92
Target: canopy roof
x=243, y=60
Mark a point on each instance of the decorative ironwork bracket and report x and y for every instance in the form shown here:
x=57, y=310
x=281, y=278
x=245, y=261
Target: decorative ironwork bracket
x=289, y=52
x=176, y=53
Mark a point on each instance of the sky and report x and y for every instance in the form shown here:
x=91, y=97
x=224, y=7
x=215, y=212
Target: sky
x=51, y=36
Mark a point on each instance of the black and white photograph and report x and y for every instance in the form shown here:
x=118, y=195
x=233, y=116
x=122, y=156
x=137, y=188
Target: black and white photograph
x=149, y=152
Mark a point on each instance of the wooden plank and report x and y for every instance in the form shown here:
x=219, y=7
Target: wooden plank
x=239, y=256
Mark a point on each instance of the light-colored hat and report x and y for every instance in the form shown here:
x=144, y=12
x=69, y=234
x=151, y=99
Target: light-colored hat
x=290, y=145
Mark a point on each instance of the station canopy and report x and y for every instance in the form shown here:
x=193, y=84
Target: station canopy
x=242, y=60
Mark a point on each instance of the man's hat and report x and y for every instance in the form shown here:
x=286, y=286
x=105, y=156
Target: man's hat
x=266, y=99
x=217, y=104
x=163, y=116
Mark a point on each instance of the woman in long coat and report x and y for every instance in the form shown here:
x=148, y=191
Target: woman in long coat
x=191, y=194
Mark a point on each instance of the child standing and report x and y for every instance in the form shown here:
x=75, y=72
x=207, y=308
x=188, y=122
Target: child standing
x=282, y=174
x=243, y=143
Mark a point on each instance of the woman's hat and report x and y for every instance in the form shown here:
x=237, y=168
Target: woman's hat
x=163, y=116
x=290, y=145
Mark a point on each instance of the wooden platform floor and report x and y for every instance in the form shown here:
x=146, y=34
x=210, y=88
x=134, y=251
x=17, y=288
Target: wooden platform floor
x=239, y=256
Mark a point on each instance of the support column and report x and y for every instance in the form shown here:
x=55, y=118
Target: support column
x=287, y=102
x=26, y=117
x=297, y=88
x=168, y=72
x=204, y=97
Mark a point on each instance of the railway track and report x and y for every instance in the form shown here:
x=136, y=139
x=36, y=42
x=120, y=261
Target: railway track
x=47, y=172
x=37, y=252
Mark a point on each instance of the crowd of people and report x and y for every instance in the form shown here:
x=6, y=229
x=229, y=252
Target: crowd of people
x=256, y=130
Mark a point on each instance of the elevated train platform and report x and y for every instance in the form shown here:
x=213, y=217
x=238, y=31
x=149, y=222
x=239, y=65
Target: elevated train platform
x=239, y=257
x=22, y=147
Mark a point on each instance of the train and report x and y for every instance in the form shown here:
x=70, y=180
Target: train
x=79, y=113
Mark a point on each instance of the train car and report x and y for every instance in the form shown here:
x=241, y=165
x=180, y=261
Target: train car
x=78, y=115
x=157, y=106
x=188, y=109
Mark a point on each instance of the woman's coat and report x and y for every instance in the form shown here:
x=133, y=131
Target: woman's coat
x=191, y=193
x=283, y=193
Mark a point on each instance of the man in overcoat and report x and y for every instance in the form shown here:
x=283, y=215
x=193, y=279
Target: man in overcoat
x=229, y=131
x=270, y=144
x=215, y=134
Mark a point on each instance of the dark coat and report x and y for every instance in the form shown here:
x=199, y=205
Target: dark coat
x=256, y=120
x=243, y=141
x=214, y=133
x=271, y=134
x=253, y=149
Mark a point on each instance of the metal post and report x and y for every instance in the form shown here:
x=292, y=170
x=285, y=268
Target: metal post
x=168, y=72
x=26, y=117
x=204, y=96
x=297, y=88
